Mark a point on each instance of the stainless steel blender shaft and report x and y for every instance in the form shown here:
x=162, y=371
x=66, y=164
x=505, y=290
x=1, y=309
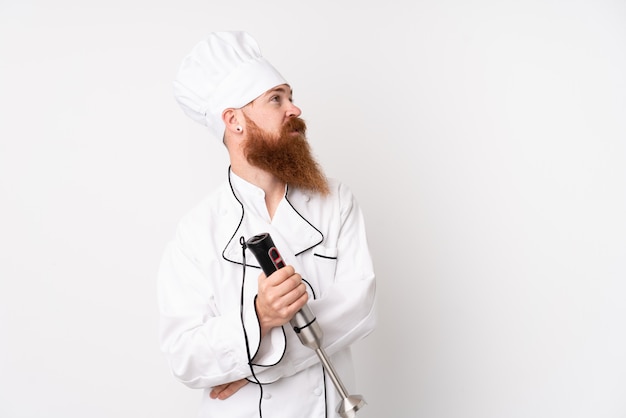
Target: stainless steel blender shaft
x=304, y=323
x=310, y=334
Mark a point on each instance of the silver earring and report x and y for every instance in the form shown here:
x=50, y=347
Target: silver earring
x=239, y=129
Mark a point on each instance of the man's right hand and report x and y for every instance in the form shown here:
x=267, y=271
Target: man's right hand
x=279, y=297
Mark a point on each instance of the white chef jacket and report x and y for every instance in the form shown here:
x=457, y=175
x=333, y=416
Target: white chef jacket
x=208, y=334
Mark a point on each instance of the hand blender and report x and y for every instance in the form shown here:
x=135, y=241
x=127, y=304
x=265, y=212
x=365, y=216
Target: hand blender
x=304, y=323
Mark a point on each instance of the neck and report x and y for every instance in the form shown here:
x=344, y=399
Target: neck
x=274, y=189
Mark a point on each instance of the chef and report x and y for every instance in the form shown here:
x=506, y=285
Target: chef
x=224, y=325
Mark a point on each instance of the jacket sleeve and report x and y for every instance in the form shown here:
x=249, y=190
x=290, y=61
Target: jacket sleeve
x=204, y=347
x=346, y=308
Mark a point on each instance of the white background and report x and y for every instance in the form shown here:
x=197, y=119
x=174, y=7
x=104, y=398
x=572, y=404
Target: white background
x=484, y=139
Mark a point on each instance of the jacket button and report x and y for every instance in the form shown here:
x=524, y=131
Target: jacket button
x=317, y=391
x=267, y=395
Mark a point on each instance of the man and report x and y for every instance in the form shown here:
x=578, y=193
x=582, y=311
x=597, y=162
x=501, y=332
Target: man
x=222, y=321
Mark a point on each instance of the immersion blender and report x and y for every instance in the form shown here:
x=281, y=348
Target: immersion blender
x=304, y=323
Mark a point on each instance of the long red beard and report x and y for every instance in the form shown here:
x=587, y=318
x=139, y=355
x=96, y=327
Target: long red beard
x=287, y=156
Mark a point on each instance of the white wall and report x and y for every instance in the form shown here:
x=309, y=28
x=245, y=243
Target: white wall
x=484, y=139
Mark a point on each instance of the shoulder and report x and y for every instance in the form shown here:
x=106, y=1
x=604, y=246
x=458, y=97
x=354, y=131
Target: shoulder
x=337, y=190
x=339, y=199
x=341, y=188
x=341, y=192
x=209, y=208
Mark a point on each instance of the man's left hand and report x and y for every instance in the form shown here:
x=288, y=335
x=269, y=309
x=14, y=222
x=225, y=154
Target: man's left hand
x=226, y=390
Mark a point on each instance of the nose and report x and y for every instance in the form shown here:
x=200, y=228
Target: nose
x=294, y=111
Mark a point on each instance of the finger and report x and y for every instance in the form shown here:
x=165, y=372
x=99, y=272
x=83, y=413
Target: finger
x=274, y=292
x=290, y=284
x=217, y=390
x=295, y=294
x=280, y=275
x=302, y=300
x=231, y=389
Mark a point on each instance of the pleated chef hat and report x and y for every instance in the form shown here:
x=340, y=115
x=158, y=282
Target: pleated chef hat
x=226, y=70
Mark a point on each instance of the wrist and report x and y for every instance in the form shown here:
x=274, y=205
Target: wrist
x=264, y=325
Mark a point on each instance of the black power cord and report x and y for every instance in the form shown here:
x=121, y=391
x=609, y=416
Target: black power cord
x=244, y=246
x=242, y=241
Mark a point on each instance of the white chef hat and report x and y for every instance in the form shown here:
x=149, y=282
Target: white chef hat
x=226, y=70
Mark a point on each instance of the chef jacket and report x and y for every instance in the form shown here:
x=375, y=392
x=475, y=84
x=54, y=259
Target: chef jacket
x=207, y=285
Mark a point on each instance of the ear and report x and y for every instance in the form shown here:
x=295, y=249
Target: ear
x=231, y=119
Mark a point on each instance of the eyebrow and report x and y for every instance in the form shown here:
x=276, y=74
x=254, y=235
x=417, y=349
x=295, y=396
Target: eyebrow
x=281, y=89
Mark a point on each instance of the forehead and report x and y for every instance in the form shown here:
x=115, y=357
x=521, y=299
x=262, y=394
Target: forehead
x=281, y=89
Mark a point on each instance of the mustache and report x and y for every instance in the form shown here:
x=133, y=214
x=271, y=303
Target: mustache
x=295, y=124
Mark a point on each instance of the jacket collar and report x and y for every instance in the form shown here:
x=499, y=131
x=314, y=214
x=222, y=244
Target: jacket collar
x=292, y=233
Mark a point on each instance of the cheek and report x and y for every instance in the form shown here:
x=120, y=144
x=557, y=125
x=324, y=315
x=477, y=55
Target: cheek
x=276, y=128
x=270, y=123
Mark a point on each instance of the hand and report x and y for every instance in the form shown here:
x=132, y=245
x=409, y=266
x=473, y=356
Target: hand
x=226, y=390
x=280, y=296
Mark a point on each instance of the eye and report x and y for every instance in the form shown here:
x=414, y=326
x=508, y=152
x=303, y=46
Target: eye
x=275, y=98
